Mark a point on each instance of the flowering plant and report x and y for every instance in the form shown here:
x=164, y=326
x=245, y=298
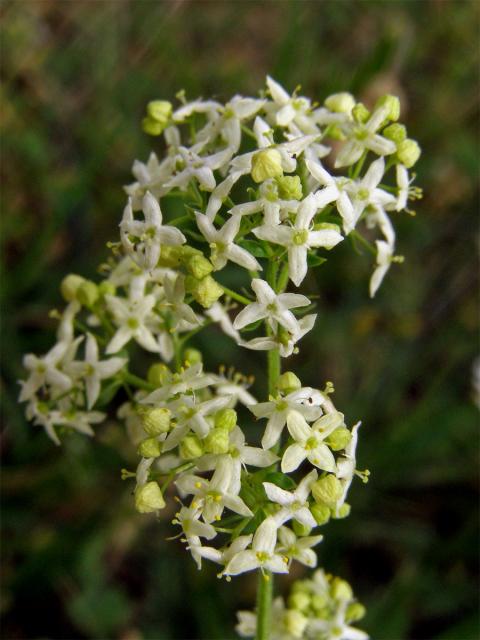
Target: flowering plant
x=245, y=183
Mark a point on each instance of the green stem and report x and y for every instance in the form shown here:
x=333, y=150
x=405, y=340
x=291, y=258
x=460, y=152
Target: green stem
x=235, y=296
x=134, y=380
x=264, y=605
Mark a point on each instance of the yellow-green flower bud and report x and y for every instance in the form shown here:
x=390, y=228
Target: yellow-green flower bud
x=170, y=257
x=339, y=439
x=343, y=512
x=226, y=419
x=106, y=288
x=152, y=127
x=158, y=374
x=355, y=612
x=340, y=102
x=295, y=623
x=217, y=441
x=408, y=152
x=335, y=132
x=87, y=293
x=319, y=603
x=360, y=113
x=191, y=447
x=301, y=529
x=206, y=291
x=148, y=498
x=392, y=104
x=290, y=188
x=156, y=421
x=159, y=110
x=321, y=513
x=395, y=132
x=266, y=163
x=341, y=590
x=288, y=382
x=299, y=601
x=70, y=285
x=149, y=448
x=199, y=266
x=327, y=490
x=192, y=356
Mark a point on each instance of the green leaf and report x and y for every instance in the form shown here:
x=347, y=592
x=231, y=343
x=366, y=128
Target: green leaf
x=281, y=480
x=255, y=248
x=314, y=260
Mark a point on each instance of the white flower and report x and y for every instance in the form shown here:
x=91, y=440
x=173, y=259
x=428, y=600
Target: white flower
x=272, y=306
x=273, y=207
x=306, y=401
x=191, y=415
x=366, y=193
x=309, y=441
x=188, y=381
x=290, y=109
x=81, y=420
x=44, y=370
x=222, y=243
x=93, y=370
x=225, y=555
x=212, y=496
x=239, y=455
x=403, y=183
x=198, y=167
x=361, y=137
x=174, y=289
x=219, y=313
x=285, y=346
x=384, y=260
x=299, y=549
x=143, y=240
x=336, y=627
x=189, y=520
x=294, y=503
x=131, y=317
x=150, y=176
x=346, y=466
x=299, y=238
x=262, y=555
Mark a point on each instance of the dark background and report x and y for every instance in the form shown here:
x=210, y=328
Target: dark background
x=78, y=562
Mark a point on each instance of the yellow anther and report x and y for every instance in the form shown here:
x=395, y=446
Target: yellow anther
x=198, y=485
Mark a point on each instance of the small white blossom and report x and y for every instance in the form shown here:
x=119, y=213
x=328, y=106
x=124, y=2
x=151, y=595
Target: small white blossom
x=299, y=549
x=294, y=504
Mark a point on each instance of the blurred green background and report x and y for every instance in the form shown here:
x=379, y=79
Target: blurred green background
x=78, y=562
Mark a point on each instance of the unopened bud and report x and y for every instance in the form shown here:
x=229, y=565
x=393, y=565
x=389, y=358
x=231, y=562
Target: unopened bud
x=158, y=374
x=343, y=512
x=156, y=421
x=290, y=187
x=149, y=448
x=295, y=623
x=355, y=611
x=159, y=110
x=321, y=513
x=217, y=441
x=288, y=382
x=148, y=498
x=190, y=447
x=360, y=113
x=301, y=529
x=319, y=602
x=391, y=104
x=299, y=601
x=266, y=163
x=408, y=152
x=339, y=439
x=226, y=419
x=152, y=127
x=206, y=291
x=106, y=288
x=340, y=102
x=192, y=356
x=327, y=490
x=341, y=590
x=170, y=257
x=70, y=285
x=87, y=293
x=199, y=266
x=395, y=132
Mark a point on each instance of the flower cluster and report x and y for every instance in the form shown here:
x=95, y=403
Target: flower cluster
x=322, y=608
x=251, y=185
